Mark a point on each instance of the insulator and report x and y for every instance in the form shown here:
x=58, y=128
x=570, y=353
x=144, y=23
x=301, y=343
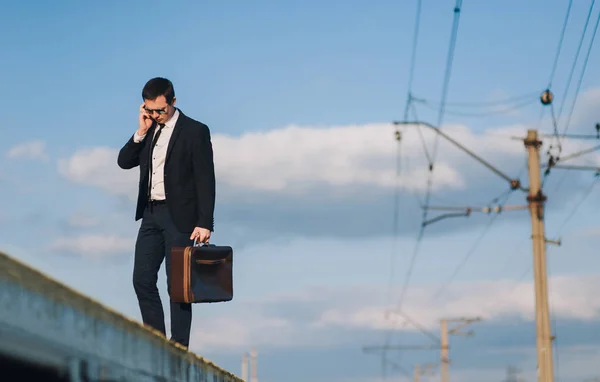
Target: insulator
x=547, y=97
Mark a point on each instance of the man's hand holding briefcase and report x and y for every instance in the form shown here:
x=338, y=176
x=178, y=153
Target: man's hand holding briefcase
x=201, y=273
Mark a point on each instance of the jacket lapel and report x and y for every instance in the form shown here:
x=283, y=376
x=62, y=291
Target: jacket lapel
x=175, y=134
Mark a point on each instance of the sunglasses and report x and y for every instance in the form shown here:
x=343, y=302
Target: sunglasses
x=152, y=111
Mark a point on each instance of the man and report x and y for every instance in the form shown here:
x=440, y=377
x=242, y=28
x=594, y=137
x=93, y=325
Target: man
x=176, y=197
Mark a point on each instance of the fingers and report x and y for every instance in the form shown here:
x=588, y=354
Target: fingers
x=200, y=235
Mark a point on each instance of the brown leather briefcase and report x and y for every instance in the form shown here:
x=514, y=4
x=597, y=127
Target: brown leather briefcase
x=201, y=274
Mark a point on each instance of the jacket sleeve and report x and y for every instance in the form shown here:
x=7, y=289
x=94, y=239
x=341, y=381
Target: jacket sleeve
x=204, y=177
x=129, y=155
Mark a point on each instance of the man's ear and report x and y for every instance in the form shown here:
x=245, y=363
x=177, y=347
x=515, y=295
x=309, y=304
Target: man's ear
x=174, y=101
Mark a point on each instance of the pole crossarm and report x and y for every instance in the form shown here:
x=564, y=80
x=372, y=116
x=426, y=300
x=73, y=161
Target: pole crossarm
x=445, y=332
x=485, y=210
x=464, y=322
x=466, y=211
x=514, y=183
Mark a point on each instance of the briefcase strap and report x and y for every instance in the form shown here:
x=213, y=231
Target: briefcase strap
x=210, y=262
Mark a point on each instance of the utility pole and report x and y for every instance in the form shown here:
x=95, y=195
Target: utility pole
x=245, y=367
x=445, y=359
x=536, y=199
x=249, y=358
x=417, y=373
x=253, y=369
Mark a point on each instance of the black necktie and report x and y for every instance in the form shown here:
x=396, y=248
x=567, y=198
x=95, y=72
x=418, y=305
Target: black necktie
x=160, y=126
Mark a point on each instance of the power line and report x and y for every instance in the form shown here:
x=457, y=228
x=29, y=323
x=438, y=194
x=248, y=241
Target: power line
x=398, y=137
x=514, y=184
x=572, y=71
x=446, y=83
x=560, y=43
x=411, y=72
x=506, y=110
x=471, y=250
x=396, y=213
x=580, y=81
x=447, y=75
x=397, y=191
x=483, y=104
x=585, y=195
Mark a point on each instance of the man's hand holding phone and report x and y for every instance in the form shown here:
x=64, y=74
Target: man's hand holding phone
x=145, y=121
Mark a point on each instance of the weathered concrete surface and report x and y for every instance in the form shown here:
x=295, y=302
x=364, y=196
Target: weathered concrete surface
x=46, y=322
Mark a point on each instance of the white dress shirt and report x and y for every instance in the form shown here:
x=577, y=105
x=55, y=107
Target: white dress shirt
x=157, y=191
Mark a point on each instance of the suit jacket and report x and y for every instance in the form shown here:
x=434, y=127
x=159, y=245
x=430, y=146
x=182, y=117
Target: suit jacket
x=189, y=173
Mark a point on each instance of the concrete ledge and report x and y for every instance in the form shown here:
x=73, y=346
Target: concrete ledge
x=45, y=322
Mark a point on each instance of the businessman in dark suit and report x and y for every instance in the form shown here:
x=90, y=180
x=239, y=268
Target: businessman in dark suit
x=176, y=197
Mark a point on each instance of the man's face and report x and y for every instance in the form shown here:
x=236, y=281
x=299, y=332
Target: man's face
x=159, y=109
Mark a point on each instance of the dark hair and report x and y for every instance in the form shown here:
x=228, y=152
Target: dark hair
x=157, y=87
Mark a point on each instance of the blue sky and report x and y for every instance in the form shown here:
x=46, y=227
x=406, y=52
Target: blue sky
x=299, y=97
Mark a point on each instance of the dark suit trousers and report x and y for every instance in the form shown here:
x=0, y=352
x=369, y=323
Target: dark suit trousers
x=156, y=236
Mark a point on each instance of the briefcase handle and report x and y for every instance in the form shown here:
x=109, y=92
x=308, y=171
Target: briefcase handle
x=196, y=244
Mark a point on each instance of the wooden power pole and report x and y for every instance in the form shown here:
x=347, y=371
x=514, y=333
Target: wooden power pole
x=245, y=367
x=444, y=332
x=536, y=200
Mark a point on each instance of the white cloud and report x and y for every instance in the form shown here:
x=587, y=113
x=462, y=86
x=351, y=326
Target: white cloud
x=94, y=246
x=326, y=313
x=33, y=150
x=572, y=298
x=334, y=180
x=295, y=159
x=98, y=167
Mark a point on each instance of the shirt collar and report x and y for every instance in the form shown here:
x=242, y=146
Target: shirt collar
x=173, y=120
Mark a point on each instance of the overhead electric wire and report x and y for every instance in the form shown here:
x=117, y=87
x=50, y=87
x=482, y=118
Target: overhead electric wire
x=448, y=73
x=450, y=57
x=580, y=81
x=575, y=59
x=486, y=113
x=413, y=57
x=553, y=72
x=560, y=43
x=505, y=196
x=482, y=104
x=396, y=217
x=585, y=195
x=398, y=137
x=583, y=69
